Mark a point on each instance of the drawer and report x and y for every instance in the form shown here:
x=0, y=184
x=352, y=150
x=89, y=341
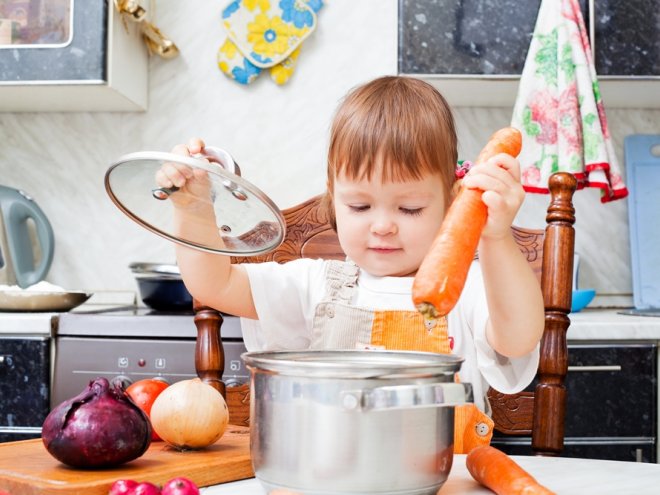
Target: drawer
x=611, y=407
x=24, y=382
x=612, y=390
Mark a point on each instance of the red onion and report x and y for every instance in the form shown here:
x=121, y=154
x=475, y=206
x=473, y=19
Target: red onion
x=100, y=427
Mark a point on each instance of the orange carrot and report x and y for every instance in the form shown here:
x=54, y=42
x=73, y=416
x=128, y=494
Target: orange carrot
x=441, y=276
x=497, y=471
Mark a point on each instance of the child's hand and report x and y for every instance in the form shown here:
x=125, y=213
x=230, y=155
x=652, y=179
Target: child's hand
x=499, y=178
x=192, y=184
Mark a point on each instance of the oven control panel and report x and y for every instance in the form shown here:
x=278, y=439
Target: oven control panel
x=78, y=360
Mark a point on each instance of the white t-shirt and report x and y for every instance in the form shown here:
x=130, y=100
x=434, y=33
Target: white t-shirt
x=286, y=295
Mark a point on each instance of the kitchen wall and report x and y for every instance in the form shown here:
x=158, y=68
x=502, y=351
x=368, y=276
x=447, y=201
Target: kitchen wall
x=278, y=134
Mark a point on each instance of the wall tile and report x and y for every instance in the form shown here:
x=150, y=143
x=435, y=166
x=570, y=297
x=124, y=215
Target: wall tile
x=277, y=134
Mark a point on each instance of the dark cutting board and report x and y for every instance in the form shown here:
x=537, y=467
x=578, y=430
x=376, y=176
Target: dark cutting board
x=26, y=468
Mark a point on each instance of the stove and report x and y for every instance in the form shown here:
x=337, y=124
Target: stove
x=127, y=344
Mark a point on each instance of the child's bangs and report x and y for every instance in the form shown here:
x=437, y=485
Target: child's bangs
x=369, y=152
x=395, y=129
x=388, y=167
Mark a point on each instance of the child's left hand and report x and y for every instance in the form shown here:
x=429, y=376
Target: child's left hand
x=503, y=194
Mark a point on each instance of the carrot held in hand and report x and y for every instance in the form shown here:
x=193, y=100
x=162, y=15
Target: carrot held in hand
x=441, y=276
x=497, y=471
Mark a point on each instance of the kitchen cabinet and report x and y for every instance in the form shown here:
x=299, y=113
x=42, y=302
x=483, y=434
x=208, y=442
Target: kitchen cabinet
x=26, y=349
x=474, y=50
x=24, y=386
x=612, y=403
x=626, y=38
x=85, y=60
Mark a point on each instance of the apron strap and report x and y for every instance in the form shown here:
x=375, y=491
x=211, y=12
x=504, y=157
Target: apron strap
x=341, y=281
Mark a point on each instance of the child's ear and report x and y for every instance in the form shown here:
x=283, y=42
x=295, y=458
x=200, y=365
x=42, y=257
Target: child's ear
x=455, y=188
x=327, y=204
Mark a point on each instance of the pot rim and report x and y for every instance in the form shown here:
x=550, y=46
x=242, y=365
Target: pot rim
x=158, y=278
x=154, y=268
x=358, y=363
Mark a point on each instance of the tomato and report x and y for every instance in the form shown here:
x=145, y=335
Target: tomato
x=144, y=393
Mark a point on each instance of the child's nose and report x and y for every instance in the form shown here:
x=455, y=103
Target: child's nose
x=383, y=226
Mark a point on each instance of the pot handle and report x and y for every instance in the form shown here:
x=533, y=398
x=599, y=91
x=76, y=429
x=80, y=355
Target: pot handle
x=407, y=396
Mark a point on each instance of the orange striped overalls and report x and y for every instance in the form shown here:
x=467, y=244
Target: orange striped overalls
x=338, y=325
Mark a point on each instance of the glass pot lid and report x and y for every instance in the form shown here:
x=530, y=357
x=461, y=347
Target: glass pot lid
x=215, y=211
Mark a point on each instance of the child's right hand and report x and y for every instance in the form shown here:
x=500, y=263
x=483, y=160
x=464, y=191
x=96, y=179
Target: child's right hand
x=192, y=184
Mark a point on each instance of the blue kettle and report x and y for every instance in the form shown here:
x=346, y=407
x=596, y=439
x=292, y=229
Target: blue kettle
x=25, y=258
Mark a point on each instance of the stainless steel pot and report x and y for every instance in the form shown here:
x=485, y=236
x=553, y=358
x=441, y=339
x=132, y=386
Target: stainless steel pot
x=358, y=422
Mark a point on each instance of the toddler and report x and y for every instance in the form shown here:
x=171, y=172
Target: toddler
x=391, y=175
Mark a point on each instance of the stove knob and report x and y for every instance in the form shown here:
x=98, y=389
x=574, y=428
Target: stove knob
x=122, y=380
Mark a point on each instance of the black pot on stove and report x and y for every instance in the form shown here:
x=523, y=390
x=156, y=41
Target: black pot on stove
x=161, y=287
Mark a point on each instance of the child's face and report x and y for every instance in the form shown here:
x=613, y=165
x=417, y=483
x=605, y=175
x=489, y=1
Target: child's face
x=387, y=228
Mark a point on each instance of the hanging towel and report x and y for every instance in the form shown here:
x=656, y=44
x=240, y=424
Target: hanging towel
x=559, y=108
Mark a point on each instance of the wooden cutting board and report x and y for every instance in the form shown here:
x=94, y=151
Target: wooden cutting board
x=26, y=467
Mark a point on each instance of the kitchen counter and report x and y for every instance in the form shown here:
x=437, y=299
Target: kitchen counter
x=563, y=475
x=27, y=323
x=45, y=323
x=588, y=324
x=610, y=324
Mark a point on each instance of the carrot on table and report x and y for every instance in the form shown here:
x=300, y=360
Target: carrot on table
x=497, y=471
x=441, y=276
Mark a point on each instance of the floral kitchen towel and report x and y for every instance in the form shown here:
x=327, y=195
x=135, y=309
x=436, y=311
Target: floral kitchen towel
x=265, y=35
x=559, y=108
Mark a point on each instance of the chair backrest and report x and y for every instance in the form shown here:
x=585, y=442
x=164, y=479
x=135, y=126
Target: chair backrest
x=550, y=253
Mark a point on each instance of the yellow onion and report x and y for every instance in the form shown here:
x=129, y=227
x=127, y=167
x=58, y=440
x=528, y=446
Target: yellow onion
x=189, y=415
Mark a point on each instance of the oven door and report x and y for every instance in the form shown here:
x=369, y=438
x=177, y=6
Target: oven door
x=611, y=403
x=24, y=386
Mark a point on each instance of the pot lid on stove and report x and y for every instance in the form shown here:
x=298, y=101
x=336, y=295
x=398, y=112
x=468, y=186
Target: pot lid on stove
x=155, y=270
x=217, y=210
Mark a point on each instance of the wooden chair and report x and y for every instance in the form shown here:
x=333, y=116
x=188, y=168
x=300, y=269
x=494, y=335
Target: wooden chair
x=550, y=252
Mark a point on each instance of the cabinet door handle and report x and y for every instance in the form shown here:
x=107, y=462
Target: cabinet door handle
x=604, y=367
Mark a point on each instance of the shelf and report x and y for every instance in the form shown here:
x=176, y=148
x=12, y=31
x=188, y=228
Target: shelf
x=476, y=91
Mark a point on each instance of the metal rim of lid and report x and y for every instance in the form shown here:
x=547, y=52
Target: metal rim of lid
x=354, y=363
x=212, y=168
x=154, y=268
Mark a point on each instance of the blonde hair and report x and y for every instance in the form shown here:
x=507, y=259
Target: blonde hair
x=400, y=123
